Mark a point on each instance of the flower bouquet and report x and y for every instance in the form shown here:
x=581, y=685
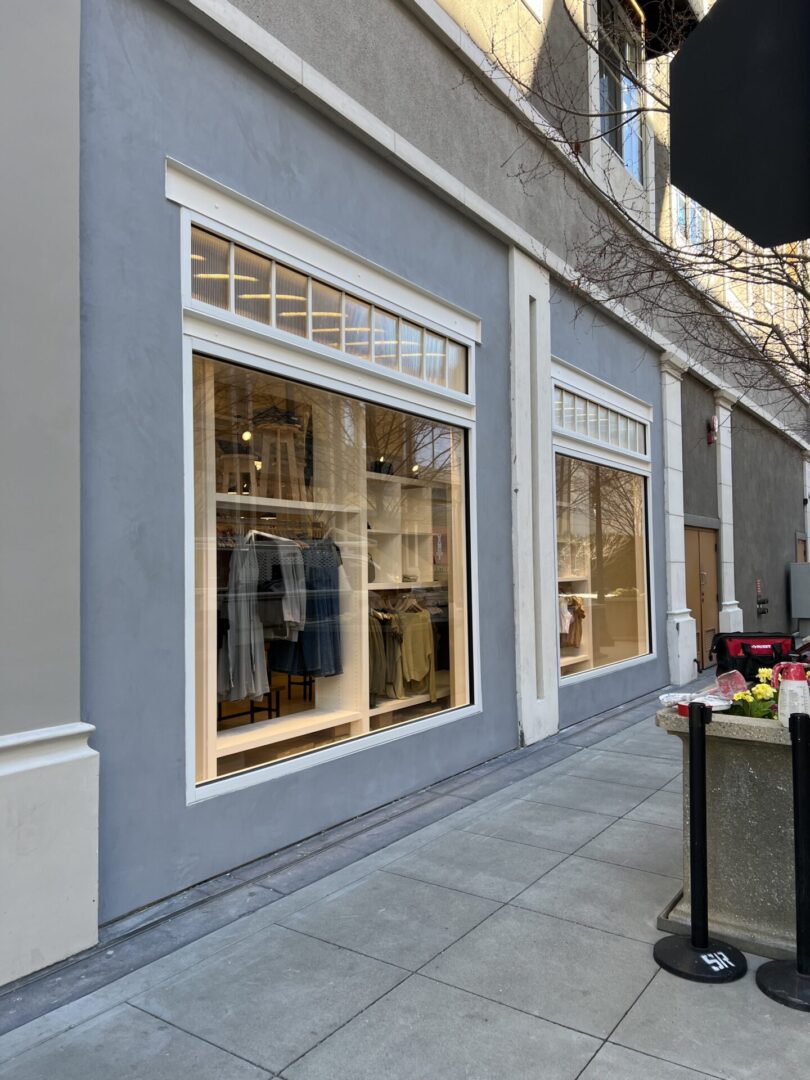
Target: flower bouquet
x=760, y=700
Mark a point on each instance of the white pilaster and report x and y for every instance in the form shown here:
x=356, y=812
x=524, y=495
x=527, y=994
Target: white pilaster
x=681, y=626
x=731, y=617
x=807, y=500
x=533, y=551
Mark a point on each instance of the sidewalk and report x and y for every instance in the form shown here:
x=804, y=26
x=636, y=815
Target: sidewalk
x=510, y=939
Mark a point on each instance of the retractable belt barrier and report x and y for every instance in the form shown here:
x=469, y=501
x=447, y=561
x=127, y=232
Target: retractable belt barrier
x=788, y=981
x=699, y=957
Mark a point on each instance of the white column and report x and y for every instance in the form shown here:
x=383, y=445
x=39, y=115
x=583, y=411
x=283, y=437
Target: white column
x=806, y=495
x=731, y=616
x=533, y=515
x=48, y=774
x=681, y=626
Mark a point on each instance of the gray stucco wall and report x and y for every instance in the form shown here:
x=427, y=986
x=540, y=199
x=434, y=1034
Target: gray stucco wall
x=39, y=351
x=584, y=338
x=699, y=458
x=768, y=475
x=155, y=85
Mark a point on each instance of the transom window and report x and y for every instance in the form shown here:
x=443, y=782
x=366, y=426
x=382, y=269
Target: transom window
x=229, y=276
x=581, y=416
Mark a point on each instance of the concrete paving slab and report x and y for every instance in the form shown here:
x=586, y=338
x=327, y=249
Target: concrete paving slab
x=675, y=785
x=617, y=1063
x=608, y=897
x=662, y=808
x=396, y=919
x=425, y=1029
x=577, y=793
x=731, y=1031
x=631, y=769
x=482, y=865
x=125, y=1042
x=272, y=998
x=645, y=741
x=542, y=824
x=573, y=975
x=639, y=844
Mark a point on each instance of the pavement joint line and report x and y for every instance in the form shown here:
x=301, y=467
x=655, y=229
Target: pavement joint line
x=345, y=1023
x=201, y=1038
x=577, y=922
x=610, y=1041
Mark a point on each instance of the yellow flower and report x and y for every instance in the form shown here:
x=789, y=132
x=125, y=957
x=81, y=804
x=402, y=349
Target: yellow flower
x=764, y=674
x=744, y=695
x=763, y=692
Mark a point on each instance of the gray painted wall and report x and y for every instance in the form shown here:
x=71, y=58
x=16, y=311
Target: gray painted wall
x=39, y=346
x=155, y=85
x=584, y=338
x=768, y=475
x=699, y=458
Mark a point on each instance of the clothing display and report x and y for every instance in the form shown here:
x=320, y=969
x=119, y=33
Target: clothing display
x=402, y=651
x=279, y=612
x=572, y=615
x=316, y=650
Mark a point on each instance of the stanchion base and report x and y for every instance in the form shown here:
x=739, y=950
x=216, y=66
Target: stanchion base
x=717, y=963
x=780, y=980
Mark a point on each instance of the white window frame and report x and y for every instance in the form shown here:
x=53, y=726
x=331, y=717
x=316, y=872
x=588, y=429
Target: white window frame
x=222, y=335
x=580, y=446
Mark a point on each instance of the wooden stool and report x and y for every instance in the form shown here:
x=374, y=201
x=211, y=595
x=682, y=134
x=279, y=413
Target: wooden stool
x=238, y=471
x=278, y=456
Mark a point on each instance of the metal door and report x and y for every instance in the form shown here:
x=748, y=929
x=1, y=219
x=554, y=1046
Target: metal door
x=701, y=588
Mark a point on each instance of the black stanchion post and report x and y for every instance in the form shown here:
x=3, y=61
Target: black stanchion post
x=788, y=981
x=699, y=957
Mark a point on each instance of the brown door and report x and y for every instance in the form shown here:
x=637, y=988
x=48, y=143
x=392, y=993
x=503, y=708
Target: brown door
x=701, y=588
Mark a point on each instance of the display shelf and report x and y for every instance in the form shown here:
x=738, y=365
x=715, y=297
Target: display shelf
x=384, y=586
x=394, y=704
x=571, y=661
x=257, y=502
x=406, y=481
x=569, y=579
x=252, y=736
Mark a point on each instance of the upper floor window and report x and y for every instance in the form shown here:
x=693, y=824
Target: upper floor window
x=621, y=58
x=687, y=218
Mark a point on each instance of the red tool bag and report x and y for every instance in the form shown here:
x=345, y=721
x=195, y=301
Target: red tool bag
x=748, y=653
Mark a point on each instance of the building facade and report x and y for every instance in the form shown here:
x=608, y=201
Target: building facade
x=342, y=485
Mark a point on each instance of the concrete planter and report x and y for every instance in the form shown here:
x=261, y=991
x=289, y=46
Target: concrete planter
x=750, y=833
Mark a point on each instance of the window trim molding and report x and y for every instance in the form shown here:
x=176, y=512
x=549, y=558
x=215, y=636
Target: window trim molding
x=584, y=448
x=222, y=335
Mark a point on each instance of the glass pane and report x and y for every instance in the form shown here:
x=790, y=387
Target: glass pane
x=593, y=420
x=210, y=272
x=435, y=364
x=385, y=339
x=297, y=602
x=623, y=433
x=568, y=411
x=358, y=328
x=326, y=314
x=411, y=346
x=642, y=439
x=252, y=285
x=558, y=407
x=457, y=366
x=604, y=433
x=614, y=428
x=601, y=565
x=581, y=407
x=291, y=301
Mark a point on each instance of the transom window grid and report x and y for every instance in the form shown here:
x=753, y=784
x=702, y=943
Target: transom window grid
x=578, y=415
x=227, y=275
x=621, y=58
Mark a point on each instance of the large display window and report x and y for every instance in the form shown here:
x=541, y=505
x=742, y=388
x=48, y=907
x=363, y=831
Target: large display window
x=331, y=576
x=601, y=564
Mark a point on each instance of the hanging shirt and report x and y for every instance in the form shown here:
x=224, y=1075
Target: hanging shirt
x=241, y=668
